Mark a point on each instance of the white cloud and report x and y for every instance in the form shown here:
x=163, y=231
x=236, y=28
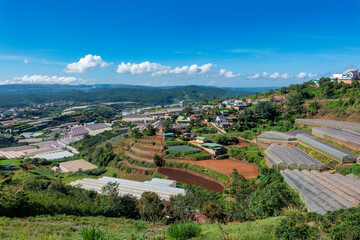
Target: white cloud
x=254, y=76
x=34, y=79
x=265, y=74
x=274, y=75
x=311, y=75
x=301, y=75
x=285, y=76
x=228, y=74
x=156, y=69
x=86, y=64
x=26, y=61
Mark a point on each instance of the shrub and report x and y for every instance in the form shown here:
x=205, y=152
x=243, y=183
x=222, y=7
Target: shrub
x=158, y=160
x=183, y=230
x=93, y=233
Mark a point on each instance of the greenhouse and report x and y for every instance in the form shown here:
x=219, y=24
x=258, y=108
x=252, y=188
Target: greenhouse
x=353, y=126
x=282, y=157
x=54, y=155
x=164, y=188
x=323, y=192
x=348, y=138
x=337, y=153
x=275, y=137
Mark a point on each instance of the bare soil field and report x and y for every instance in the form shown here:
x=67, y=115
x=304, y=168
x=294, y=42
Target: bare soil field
x=189, y=178
x=225, y=166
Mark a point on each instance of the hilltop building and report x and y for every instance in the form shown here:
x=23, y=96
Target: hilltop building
x=347, y=76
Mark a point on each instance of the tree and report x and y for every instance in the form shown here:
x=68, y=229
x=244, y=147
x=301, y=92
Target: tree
x=150, y=207
x=270, y=201
x=158, y=160
x=214, y=212
x=111, y=189
x=178, y=208
x=266, y=110
x=123, y=206
x=149, y=131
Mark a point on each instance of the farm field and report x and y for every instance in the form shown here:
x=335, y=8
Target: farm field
x=10, y=161
x=190, y=178
x=182, y=148
x=225, y=166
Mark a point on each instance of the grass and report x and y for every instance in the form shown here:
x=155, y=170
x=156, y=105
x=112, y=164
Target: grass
x=10, y=161
x=70, y=227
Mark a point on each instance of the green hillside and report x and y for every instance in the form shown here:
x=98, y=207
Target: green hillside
x=69, y=227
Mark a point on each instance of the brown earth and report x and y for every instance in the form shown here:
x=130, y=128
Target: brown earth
x=225, y=166
x=189, y=178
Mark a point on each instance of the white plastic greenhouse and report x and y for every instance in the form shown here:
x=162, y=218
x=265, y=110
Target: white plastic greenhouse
x=353, y=126
x=348, y=138
x=335, y=152
x=323, y=192
x=275, y=137
x=54, y=155
x=282, y=157
x=160, y=186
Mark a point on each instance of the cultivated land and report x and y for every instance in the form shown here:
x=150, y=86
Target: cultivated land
x=258, y=193
x=226, y=166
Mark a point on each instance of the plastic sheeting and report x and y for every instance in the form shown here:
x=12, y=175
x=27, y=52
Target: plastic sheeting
x=323, y=192
x=280, y=155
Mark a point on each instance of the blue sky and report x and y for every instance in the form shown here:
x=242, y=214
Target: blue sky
x=218, y=43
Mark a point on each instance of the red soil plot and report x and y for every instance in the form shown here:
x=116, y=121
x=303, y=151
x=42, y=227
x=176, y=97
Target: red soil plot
x=225, y=166
x=189, y=178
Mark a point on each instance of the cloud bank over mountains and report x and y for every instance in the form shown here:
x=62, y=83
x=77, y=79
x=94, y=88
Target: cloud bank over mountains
x=43, y=79
x=208, y=70
x=277, y=75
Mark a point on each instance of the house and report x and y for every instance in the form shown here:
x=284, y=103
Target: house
x=182, y=119
x=194, y=117
x=225, y=124
x=221, y=119
x=347, y=76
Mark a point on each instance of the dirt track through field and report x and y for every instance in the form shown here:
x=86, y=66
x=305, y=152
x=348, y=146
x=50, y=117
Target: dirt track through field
x=225, y=166
x=189, y=178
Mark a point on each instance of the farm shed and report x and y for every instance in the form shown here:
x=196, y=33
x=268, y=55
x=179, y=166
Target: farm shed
x=134, y=188
x=337, y=153
x=168, y=135
x=214, y=148
x=348, y=138
x=74, y=166
x=353, y=126
x=323, y=192
x=275, y=137
x=282, y=157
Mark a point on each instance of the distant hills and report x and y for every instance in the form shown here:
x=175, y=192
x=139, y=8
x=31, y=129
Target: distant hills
x=19, y=95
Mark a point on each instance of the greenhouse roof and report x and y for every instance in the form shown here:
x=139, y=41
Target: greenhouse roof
x=212, y=145
x=323, y=192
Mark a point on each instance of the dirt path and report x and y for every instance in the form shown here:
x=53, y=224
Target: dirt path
x=225, y=166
